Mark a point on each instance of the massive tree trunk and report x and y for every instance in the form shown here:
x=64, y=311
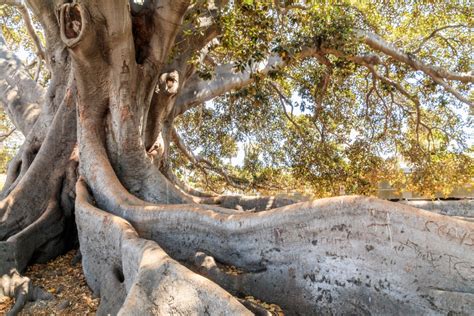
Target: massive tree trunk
x=147, y=244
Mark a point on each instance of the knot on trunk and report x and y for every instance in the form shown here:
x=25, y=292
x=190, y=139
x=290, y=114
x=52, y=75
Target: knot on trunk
x=73, y=21
x=169, y=82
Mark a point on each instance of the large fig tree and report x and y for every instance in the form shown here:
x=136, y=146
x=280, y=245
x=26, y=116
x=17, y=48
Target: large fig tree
x=123, y=105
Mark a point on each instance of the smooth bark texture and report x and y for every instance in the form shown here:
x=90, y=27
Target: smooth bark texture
x=340, y=255
x=107, y=118
x=135, y=276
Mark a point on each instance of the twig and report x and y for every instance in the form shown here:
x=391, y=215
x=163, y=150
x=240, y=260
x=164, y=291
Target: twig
x=7, y=134
x=204, y=164
x=433, y=34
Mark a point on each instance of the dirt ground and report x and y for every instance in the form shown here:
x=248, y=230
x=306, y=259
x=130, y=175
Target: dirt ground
x=63, y=278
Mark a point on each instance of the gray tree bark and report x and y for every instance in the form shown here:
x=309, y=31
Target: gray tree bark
x=96, y=152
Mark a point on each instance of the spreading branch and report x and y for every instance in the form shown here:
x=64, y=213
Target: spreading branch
x=406, y=94
x=370, y=62
x=435, y=33
x=20, y=5
x=284, y=100
x=378, y=43
x=438, y=75
x=205, y=165
x=227, y=79
x=167, y=20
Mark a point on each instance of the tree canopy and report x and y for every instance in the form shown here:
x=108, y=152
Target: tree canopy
x=359, y=88
x=131, y=109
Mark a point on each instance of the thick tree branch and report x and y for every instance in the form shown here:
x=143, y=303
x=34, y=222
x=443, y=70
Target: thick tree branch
x=195, y=35
x=31, y=31
x=451, y=90
x=378, y=43
x=45, y=13
x=190, y=44
x=167, y=19
x=226, y=79
x=20, y=5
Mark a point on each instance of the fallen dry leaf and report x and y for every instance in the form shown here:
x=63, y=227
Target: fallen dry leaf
x=66, y=282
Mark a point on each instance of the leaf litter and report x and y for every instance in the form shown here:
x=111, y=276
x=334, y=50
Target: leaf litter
x=65, y=280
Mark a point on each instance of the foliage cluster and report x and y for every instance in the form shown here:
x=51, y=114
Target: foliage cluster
x=327, y=124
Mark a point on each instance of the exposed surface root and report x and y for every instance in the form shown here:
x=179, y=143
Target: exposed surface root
x=349, y=255
x=460, y=208
x=32, y=221
x=13, y=285
x=337, y=255
x=229, y=278
x=42, y=240
x=133, y=275
x=226, y=276
x=260, y=308
x=64, y=279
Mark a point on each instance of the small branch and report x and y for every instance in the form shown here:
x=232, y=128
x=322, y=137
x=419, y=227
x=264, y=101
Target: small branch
x=182, y=147
x=299, y=129
x=409, y=96
x=453, y=49
x=38, y=70
x=381, y=98
x=7, y=134
x=323, y=85
x=284, y=100
x=204, y=164
x=434, y=33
